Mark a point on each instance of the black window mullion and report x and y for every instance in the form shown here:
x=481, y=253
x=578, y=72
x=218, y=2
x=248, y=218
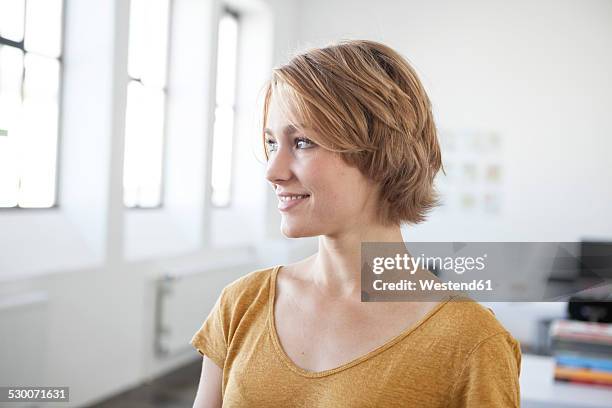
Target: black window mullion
x=16, y=44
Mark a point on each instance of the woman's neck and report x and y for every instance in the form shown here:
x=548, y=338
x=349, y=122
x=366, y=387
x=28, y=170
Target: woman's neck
x=336, y=267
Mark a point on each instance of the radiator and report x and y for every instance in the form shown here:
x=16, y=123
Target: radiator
x=183, y=302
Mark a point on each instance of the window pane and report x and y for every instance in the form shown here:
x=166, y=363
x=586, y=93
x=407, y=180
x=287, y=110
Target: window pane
x=12, y=13
x=43, y=29
x=149, y=41
x=136, y=41
x=41, y=77
x=227, y=50
x=9, y=178
x=222, y=155
x=38, y=139
x=11, y=71
x=37, y=152
x=142, y=172
x=154, y=69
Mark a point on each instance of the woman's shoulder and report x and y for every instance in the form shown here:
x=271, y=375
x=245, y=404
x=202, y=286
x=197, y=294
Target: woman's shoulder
x=487, y=357
x=473, y=316
x=247, y=288
x=471, y=325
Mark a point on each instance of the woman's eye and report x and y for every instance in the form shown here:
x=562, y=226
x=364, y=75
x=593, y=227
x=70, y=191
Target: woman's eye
x=300, y=143
x=271, y=144
x=305, y=143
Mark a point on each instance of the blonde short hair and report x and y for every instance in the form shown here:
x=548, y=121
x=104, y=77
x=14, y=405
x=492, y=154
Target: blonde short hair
x=365, y=102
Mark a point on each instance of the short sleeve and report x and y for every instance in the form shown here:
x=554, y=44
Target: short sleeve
x=210, y=339
x=490, y=376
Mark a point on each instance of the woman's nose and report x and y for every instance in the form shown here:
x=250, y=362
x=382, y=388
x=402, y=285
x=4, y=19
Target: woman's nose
x=279, y=166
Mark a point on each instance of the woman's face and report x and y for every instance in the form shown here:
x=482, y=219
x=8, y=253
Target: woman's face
x=339, y=198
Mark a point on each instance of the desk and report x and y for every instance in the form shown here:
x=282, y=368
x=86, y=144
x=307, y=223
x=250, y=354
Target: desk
x=539, y=390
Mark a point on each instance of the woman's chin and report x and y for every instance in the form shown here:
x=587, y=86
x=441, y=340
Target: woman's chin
x=296, y=231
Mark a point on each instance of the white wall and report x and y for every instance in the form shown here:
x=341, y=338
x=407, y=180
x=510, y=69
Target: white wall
x=537, y=72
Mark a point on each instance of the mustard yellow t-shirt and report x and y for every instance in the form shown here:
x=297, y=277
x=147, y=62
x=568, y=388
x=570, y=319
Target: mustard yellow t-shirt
x=458, y=355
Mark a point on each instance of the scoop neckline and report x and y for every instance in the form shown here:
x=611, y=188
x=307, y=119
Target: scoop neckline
x=317, y=374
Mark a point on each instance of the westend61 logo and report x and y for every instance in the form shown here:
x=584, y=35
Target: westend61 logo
x=458, y=265
x=485, y=271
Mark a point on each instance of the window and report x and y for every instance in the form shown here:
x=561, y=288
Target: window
x=225, y=109
x=30, y=72
x=146, y=102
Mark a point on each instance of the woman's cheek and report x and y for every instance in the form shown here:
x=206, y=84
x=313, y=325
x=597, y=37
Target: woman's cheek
x=313, y=170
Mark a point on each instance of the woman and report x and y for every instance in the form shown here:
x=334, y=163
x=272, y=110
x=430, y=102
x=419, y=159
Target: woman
x=352, y=153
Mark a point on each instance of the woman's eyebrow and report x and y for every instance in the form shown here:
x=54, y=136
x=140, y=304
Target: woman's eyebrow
x=289, y=130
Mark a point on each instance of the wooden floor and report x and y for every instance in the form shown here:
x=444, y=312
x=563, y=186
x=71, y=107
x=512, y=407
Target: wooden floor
x=174, y=390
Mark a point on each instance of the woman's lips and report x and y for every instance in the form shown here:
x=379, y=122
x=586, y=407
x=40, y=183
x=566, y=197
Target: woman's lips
x=287, y=205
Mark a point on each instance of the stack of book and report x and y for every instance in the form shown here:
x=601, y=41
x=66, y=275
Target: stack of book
x=582, y=351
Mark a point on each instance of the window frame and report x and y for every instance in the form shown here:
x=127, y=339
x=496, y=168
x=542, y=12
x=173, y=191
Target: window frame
x=164, y=89
x=60, y=104
x=226, y=10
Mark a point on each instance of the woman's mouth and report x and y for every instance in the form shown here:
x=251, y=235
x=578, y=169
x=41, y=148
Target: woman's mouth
x=285, y=203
